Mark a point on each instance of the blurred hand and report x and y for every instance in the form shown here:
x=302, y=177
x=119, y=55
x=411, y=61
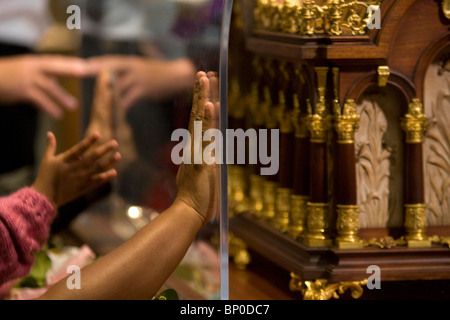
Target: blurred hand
x=139, y=78
x=196, y=183
x=108, y=119
x=64, y=177
x=34, y=79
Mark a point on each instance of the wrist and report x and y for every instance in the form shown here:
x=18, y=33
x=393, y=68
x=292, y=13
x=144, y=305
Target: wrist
x=188, y=211
x=42, y=191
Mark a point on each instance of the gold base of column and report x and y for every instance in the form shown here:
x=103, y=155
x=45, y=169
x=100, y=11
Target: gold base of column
x=317, y=224
x=282, y=208
x=348, y=227
x=419, y=243
x=256, y=195
x=269, y=193
x=342, y=244
x=237, y=187
x=297, y=219
x=318, y=242
x=416, y=225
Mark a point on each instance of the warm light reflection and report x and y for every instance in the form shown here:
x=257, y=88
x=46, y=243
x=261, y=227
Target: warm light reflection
x=134, y=212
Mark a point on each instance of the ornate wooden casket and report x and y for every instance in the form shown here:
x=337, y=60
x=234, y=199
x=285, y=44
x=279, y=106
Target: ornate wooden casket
x=360, y=94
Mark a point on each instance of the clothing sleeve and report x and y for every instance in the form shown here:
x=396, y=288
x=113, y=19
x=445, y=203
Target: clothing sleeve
x=25, y=218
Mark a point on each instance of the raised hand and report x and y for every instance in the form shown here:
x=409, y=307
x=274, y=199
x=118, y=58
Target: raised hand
x=196, y=183
x=34, y=79
x=139, y=78
x=64, y=177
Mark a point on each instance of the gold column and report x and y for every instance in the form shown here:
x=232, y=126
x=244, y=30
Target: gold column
x=237, y=182
x=347, y=209
x=256, y=180
x=269, y=186
x=298, y=205
x=319, y=125
x=283, y=193
x=414, y=124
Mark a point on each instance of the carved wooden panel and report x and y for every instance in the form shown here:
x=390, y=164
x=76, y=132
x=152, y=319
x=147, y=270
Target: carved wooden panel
x=437, y=143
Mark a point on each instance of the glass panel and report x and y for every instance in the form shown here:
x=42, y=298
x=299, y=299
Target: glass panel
x=156, y=47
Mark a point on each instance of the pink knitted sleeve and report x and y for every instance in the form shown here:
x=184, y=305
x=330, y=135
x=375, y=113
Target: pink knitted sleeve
x=25, y=218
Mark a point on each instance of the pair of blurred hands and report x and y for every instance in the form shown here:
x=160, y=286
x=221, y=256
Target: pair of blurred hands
x=88, y=164
x=35, y=79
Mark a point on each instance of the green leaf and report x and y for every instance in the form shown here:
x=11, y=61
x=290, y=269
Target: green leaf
x=37, y=275
x=169, y=294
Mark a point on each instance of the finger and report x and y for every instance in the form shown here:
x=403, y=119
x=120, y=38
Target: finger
x=203, y=98
x=106, y=165
x=214, y=83
x=125, y=83
x=208, y=123
x=102, y=178
x=209, y=118
x=80, y=148
x=116, y=63
x=103, y=93
x=50, y=149
x=195, y=99
x=130, y=98
x=56, y=92
x=98, y=153
x=45, y=103
x=198, y=112
x=64, y=66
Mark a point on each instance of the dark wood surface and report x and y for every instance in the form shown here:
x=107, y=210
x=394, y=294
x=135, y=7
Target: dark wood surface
x=301, y=167
x=398, y=263
x=345, y=174
x=414, y=180
x=318, y=179
x=286, y=160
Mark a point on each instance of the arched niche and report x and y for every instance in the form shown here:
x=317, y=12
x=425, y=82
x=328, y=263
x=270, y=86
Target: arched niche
x=436, y=149
x=379, y=148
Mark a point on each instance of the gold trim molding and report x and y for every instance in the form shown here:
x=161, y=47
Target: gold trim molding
x=314, y=18
x=321, y=289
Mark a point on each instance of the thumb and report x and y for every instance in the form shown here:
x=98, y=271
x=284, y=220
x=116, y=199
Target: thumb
x=50, y=149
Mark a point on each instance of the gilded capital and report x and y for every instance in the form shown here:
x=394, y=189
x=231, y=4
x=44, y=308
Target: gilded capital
x=298, y=120
x=319, y=123
x=347, y=122
x=415, y=122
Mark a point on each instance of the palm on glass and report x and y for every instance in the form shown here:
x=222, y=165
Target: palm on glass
x=196, y=182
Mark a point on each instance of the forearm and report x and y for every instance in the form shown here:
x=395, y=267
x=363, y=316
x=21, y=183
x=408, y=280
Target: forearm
x=138, y=268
